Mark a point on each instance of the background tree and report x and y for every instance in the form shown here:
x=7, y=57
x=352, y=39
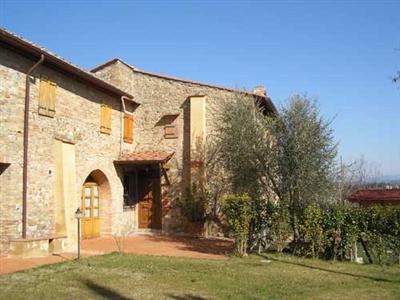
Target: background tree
x=358, y=174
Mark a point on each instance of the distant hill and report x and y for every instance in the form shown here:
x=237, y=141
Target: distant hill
x=392, y=179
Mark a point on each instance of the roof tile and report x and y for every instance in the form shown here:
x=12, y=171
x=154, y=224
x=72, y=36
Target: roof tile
x=145, y=157
x=376, y=195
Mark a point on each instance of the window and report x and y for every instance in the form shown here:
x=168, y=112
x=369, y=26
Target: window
x=170, y=131
x=105, y=119
x=128, y=128
x=168, y=122
x=47, y=97
x=130, y=189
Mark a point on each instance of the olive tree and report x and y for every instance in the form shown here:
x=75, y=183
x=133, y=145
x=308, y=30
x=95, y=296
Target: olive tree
x=287, y=157
x=240, y=135
x=306, y=154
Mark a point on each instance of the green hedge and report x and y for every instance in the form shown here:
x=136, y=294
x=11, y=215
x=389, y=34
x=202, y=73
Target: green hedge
x=342, y=232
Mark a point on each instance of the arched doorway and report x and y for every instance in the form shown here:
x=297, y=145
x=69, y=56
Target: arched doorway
x=95, y=205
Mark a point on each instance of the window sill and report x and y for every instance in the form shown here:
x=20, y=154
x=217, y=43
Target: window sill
x=129, y=207
x=46, y=114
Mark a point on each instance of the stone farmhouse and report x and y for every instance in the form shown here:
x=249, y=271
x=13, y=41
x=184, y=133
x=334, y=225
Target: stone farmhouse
x=116, y=142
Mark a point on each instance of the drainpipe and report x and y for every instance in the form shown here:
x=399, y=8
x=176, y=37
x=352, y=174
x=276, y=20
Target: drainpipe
x=26, y=134
x=123, y=98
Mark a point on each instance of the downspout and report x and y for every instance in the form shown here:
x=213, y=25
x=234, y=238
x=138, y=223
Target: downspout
x=26, y=142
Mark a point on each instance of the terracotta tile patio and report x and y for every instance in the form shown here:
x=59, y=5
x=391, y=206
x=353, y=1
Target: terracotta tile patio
x=160, y=245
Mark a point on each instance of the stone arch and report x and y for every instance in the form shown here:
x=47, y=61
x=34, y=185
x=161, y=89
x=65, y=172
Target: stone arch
x=105, y=196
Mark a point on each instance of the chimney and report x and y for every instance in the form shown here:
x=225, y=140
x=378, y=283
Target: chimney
x=260, y=91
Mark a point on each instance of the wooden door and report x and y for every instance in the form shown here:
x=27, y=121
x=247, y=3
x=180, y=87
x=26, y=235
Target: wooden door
x=146, y=204
x=149, y=206
x=90, y=210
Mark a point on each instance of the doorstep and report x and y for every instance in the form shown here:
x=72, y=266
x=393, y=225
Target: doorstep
x=145, y=231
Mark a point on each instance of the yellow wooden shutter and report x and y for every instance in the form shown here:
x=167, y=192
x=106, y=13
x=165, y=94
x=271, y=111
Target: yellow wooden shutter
x=128, y=128
x=43, y=96
x=47, y=97
x=51, y=108
x=105, y=119
x=170, y=132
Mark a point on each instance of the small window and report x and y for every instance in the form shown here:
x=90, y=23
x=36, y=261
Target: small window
x=105, y=119
x=128, y=128
x=170, y=131
x=168, y=123
x=47, y=97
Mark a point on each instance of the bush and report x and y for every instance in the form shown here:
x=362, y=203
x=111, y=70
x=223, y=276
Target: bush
x=377, y=228
x=237, y=211
x=192, y=205
x=312, y=230
x=381, y=232
x=334, y=219
x=279, y=227
x=337, y=231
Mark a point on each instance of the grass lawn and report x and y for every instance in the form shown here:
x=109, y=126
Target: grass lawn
x=115, y=276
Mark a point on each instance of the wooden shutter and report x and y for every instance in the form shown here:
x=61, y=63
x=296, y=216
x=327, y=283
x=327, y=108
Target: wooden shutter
x=52, y=99
x=128, y=128
x=170, y=132
x=47, y=97
x=105, y=119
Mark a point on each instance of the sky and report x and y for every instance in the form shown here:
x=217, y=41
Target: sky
x=342, y=52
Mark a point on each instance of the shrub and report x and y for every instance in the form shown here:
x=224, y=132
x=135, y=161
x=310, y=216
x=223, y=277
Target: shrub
x=258, y=234
x=312, y=229
x=351, y=231
x=238, y=213
x=192, y=205
x=381, y=230
x=279, y=227
x=334, y=219
x=337, y=230
x=377, y=228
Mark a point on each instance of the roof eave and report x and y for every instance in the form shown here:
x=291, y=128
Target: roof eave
x=137, y=162
x=268, y=102
x=54, y=61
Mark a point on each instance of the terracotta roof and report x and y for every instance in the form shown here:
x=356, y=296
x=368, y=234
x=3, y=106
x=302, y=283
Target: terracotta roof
x=376, y=195
x=135, y=69
x=34, y=51
x=145, y=157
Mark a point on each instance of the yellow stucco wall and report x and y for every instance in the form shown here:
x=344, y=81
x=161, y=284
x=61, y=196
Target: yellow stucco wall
x=197, y=123
x=66, y=191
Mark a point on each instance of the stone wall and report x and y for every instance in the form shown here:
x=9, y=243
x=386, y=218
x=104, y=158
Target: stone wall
x=161, y=96
x=77, y=120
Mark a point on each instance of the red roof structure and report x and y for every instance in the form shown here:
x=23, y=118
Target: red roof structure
x=145, y=157
x=376, y=196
